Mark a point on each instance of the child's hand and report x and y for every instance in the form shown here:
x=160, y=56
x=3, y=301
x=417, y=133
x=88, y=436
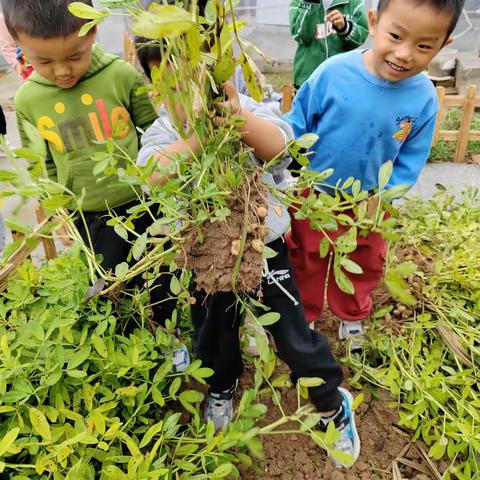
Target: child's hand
x=231, y=106
x=337, y=19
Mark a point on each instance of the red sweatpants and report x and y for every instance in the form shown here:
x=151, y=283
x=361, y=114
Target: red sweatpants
x=310, y=272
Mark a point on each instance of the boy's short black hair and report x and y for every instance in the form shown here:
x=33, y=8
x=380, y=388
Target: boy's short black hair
x=453, y=7
x=148, y=52
x=41, y=18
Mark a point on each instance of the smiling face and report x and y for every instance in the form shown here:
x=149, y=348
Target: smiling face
x=61, y=60
x=406, y=37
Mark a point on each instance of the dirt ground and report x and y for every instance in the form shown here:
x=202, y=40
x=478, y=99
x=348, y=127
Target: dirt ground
x=387, y=452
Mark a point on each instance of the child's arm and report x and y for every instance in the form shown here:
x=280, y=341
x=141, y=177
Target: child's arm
x=265, y=138
x=161, y=142
x=413, y=155
x=8, y=45
x=355, y=26
x=303, y=21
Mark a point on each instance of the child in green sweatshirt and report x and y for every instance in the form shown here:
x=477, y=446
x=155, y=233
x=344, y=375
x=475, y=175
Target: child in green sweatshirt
x=78, y=98
x=322, y=29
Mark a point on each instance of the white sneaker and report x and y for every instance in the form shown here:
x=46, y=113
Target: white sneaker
x=353, y=331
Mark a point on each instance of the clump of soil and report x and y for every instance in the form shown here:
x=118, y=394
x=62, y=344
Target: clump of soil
x=216, y=250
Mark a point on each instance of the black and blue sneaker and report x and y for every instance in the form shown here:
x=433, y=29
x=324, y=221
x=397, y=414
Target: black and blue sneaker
x=344, y=420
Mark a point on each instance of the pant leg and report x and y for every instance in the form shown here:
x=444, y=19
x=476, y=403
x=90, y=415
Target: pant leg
x=104, y=240
x=305, y=351
x=216, y=321
x=370, y=254
x=115, y=250
x=310, y=271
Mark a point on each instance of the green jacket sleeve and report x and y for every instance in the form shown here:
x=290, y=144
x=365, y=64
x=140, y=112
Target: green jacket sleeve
x=357, y=27
x=142, y=111
x=303, y=20
x=37, y=144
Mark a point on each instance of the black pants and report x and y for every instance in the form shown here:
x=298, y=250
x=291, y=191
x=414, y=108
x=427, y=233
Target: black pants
x=114, y=250
x=216, y=320
x=3, y=123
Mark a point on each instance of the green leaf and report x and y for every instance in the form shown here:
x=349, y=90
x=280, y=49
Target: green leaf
x=121, y=269
x=307, y=140
x=324, y=247
x=7, y=175
x=309, y=382
x=250, y=74
x=269, y=318
x=99, y=346
x=407, y=268
x=8, y=440
x=18, y=227
x=150, y=433
x=350, y=266
x=140, y=246
x=55, y=202
x=40, y=424
x=162, y=21
x=384, y=174
x=82, y=10
x=191, y=396
x=194, y=44
x=175, y=285
x=87, y=27
x=398, y=288
x=76, y=373
x=174, y=386
x=223, y=470
x=358, y=401
x=437, y=450
x=79, y=357
x=332, y=435
x=269, y=252
x=130, y=391
x=342, y=457
x=343, y=282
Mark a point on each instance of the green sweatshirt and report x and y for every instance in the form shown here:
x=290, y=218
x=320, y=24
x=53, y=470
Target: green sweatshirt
x=317, y=39
x=76, y=122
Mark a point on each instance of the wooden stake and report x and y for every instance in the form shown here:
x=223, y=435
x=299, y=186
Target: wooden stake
x=441, y=101
x=463, y=137
x=48, y=243
x=128, y=48
x=287, y=98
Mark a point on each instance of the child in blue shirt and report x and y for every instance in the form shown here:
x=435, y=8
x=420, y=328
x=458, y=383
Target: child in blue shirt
x=368, y=107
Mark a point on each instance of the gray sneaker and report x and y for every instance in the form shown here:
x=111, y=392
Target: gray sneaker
x=220, y=408
x=353, y=331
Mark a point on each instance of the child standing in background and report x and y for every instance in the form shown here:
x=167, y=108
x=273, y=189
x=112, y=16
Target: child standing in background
x=368, y=107
x=322, y=29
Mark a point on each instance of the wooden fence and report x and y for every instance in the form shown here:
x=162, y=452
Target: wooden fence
x=468, y=102
x=24, y=250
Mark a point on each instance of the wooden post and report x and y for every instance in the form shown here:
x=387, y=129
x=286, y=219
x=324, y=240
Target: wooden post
x=287, y=98
x=48, y=243
x=441, y=100
x=463, y=136
x=128, y=48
